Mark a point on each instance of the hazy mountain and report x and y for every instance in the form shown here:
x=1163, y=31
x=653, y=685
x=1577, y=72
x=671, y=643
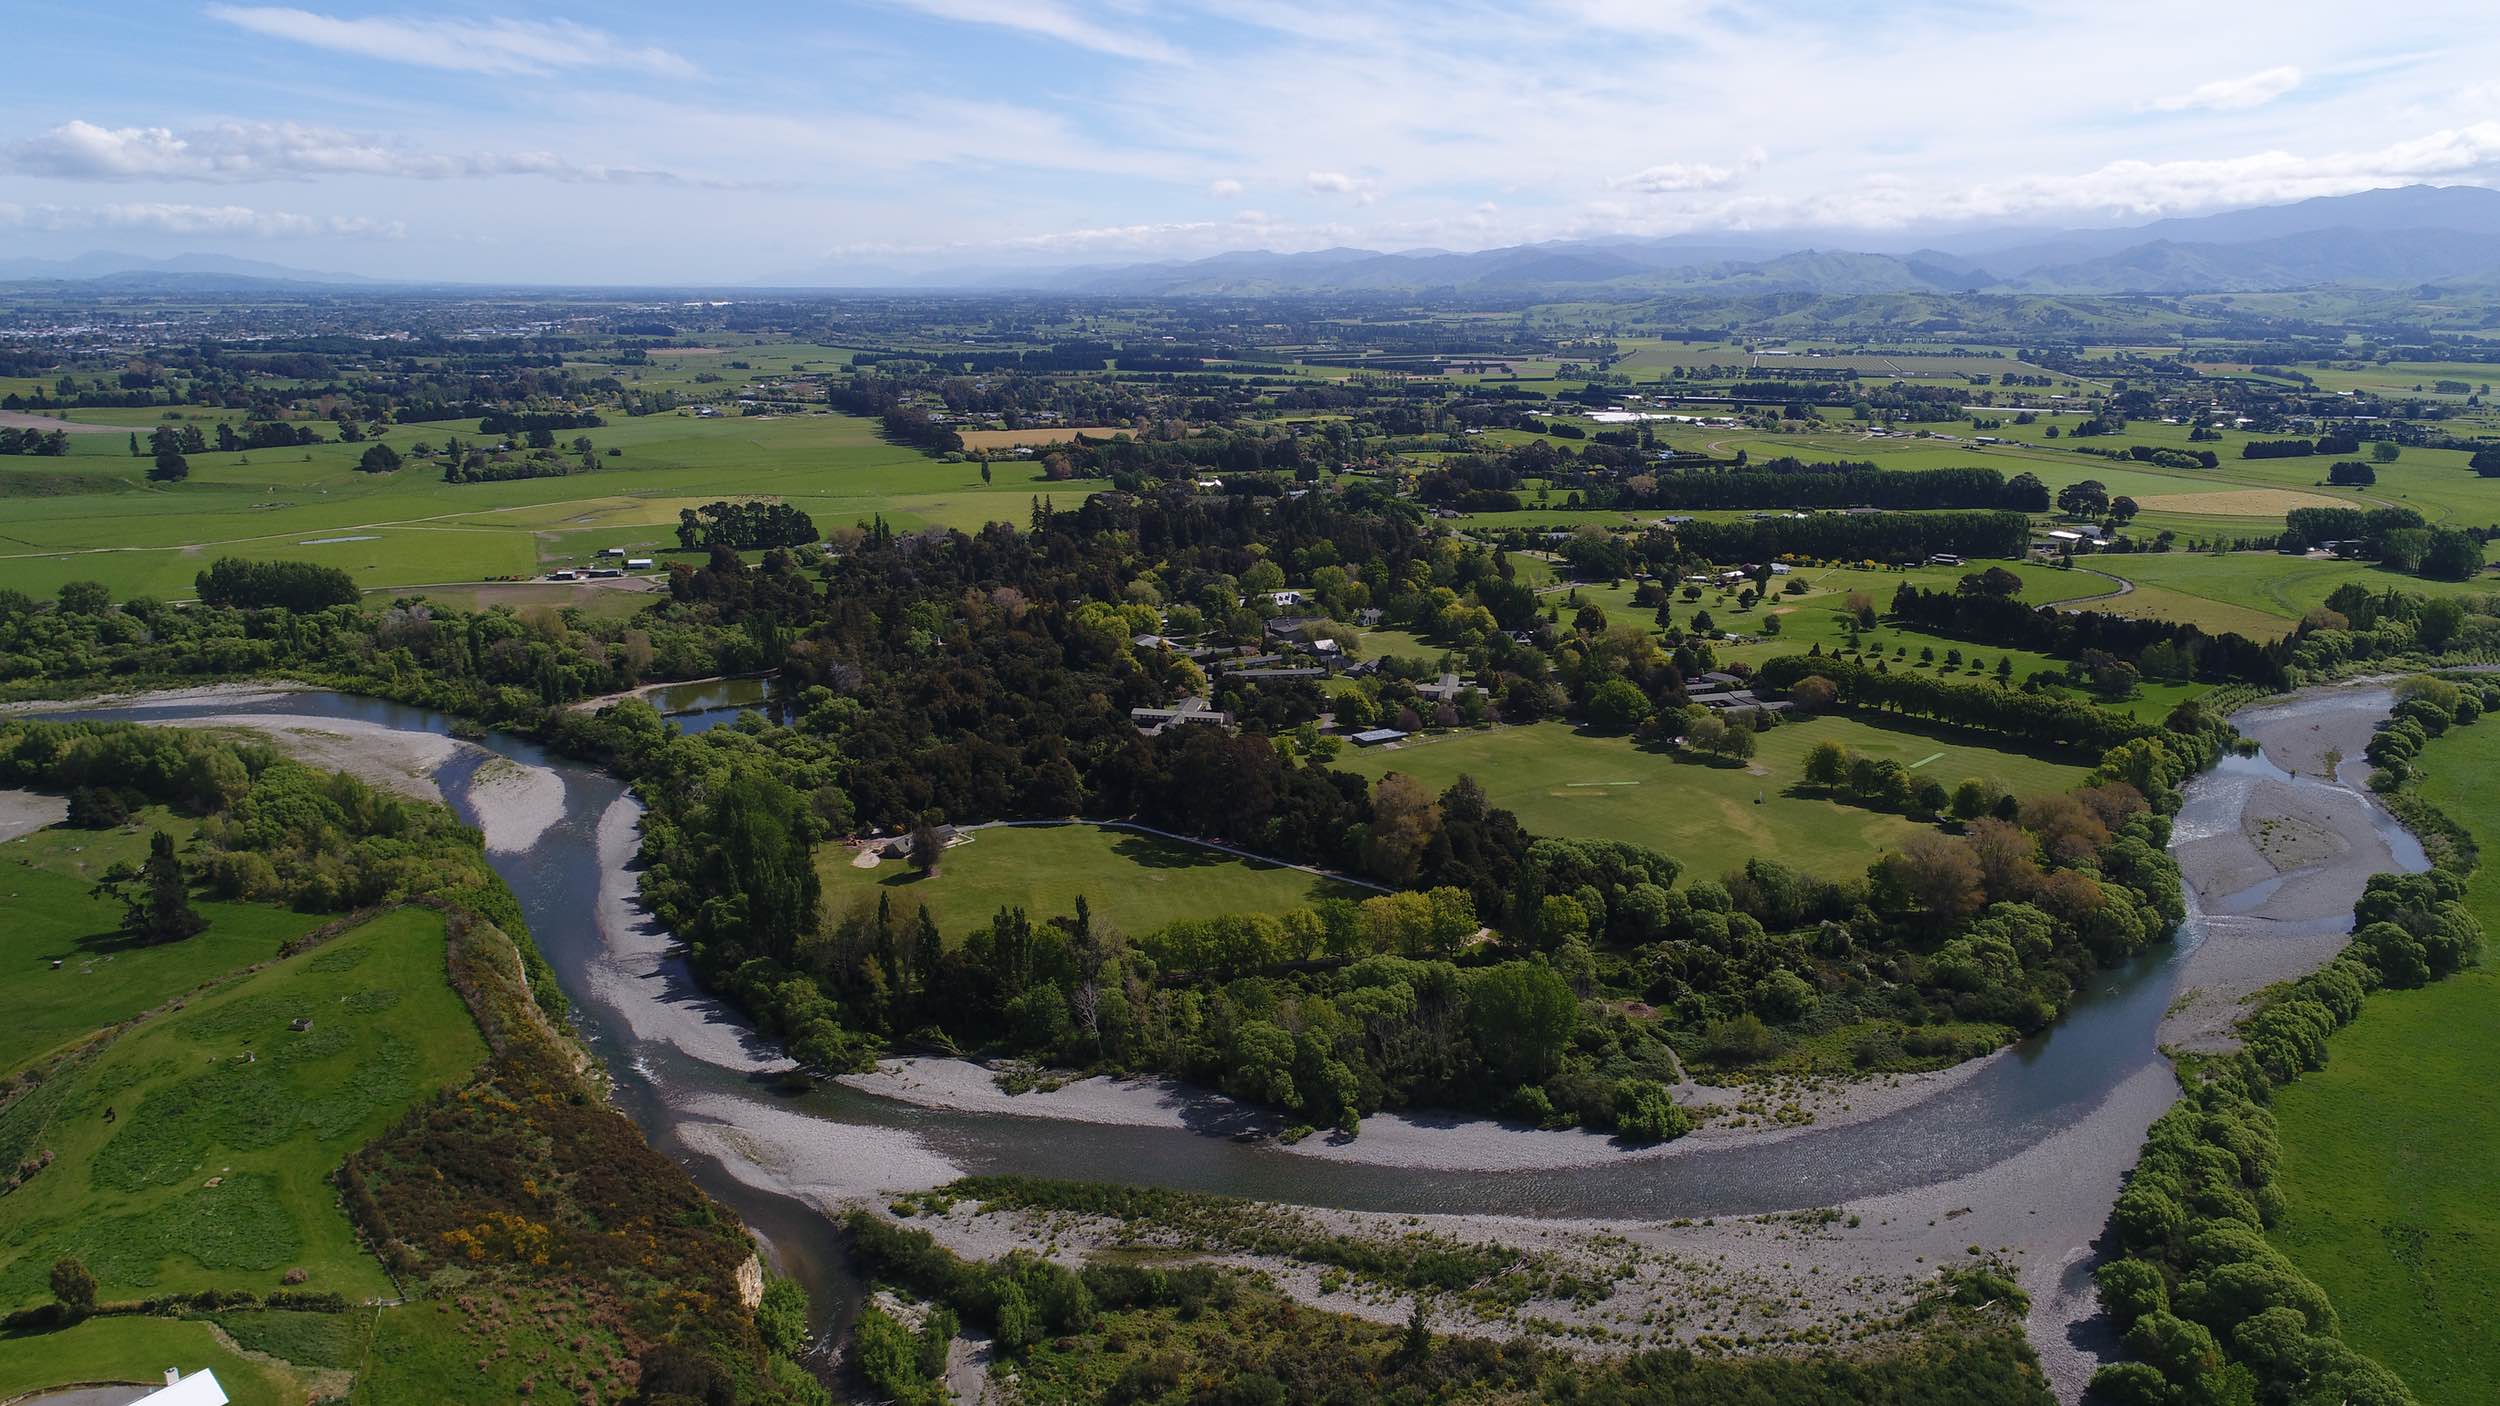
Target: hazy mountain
x=106, y=264
x=2379, y=238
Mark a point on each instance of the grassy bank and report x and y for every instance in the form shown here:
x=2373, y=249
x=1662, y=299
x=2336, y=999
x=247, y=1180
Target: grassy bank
x=2389, y=1177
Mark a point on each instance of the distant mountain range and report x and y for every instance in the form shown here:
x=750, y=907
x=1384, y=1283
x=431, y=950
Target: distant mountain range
x=2382, y=238
x=193, y=271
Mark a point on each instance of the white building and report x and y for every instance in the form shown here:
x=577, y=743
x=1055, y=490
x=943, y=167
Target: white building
x=198, y=1389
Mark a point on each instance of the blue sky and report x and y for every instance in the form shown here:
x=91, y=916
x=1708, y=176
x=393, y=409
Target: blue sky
x=627, y=141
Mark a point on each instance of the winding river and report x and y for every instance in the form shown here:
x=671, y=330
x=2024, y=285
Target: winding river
x=2046, y=1128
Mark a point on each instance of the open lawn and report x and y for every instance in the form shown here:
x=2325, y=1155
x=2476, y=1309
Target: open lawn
x=1712, y=816
x=46, y=884
x=196, y=1150
x=2389, y=1171
x=139, y=1350
x=2243, y=591
x=1137, y=882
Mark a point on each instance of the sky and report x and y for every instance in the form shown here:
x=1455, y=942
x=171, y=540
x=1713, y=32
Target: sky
x=628, y=142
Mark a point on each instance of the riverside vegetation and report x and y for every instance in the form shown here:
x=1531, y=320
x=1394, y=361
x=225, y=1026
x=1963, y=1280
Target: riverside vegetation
x=538, y=1242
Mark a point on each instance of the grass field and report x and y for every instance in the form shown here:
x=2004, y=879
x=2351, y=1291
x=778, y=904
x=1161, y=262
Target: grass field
x=1137, y=882
x=1712, y=817
x=46, y=884
x=139, y=1350
x=2389, y=1170
x=410, y=528
x=212, y=1168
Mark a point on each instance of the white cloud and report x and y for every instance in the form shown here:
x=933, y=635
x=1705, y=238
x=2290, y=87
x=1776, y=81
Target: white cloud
x=236, y=152
x=1677, y=177
x=164, y=217
x=1050, y=20
x=1225, y=190
x=1363, y=190
x=496, y=46
x=2233, y=94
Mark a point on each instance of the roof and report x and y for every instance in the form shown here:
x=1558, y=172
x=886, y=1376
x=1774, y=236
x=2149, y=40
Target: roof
x=198, y=1389
x=1377, y=735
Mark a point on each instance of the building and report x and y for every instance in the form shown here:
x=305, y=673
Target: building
x=198, y=1389
x=1445, y=690
x=899, y=847
x=1376, y=736
x=1189, y=710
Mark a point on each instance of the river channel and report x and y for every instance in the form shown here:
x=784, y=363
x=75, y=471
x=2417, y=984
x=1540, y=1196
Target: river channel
x=677, y=1059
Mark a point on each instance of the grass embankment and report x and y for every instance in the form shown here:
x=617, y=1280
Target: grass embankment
x=140, y=1349
x=195, y=1151
x=1712, y=816
x=1136, y=882
x=2389, y=1173
x=47, y=883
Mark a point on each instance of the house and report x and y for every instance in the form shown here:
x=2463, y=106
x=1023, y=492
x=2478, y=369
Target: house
x=637, y=563
x=1290, y=626
x=1445, y=690
x=611, y=551
x=198, y=1389
x=1285, y=598
x=1274, y=674
x=1192, y=709
x=1944, y=559
x=1375, y=736
x=899, y=846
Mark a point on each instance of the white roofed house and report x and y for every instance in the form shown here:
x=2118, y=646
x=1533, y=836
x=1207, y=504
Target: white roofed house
x=198, y=1389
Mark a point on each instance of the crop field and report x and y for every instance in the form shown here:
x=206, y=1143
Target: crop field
x=47, y=883
x=196, y=1151
x=1010, y=439
x=2241, y=590
x=410, y=528
x=2392, y=1191
x=1137, y=882
x=1712, y=816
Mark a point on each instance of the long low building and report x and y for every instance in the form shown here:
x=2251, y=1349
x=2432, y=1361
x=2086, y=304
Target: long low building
x=1189, y=710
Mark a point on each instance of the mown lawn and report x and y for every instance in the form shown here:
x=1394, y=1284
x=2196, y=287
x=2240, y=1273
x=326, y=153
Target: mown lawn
x=1712, y=816
x=47, y=883
x=2391, y=1154
x=196, y=1151
x=138, y=1350
x=1137, y=882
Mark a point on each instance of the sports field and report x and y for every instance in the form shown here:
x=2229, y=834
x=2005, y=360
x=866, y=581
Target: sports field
x=1136, y=882
x=2389, y=1174
x=1712, y=816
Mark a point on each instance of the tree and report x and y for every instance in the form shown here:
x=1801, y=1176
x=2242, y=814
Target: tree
x=2351, y=473
x=1813, y=694
x=170, y=467
x=2452, y=556
x=73, y=1286
x=1524, y=1016
x=2123, y=508
x=1617, y=705
x=926, y=848
x=379, y=458
x=1405, y=815
x=2385, y=451
x=2086, y=498
x=1827, y=764
x=156, y=897
x=1938, y=874
x=2486, y=462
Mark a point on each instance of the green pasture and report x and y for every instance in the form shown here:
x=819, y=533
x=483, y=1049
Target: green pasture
x=2391, y=1188
x=196, y=1151
x=47, y=882
x=139, y=1350
x=410, y=527
x=1712, y=816
x=1136, y=882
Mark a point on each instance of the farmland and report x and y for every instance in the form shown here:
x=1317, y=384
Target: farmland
x=2388, y=1178
x=196, y=1149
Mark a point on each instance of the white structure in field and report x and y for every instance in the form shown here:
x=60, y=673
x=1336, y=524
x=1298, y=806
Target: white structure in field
x=198, y=1389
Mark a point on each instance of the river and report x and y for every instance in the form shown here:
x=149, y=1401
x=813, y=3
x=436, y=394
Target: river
x=2052, y=1123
